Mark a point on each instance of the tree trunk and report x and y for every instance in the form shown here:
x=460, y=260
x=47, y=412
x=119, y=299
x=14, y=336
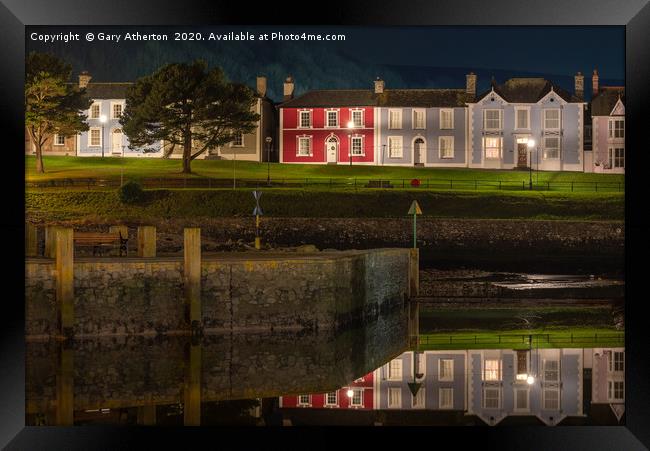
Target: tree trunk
x=187, y=154
x=39, y=158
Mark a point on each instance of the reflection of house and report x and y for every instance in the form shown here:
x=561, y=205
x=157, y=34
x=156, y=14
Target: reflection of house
x=357, y=395
x=608, y=379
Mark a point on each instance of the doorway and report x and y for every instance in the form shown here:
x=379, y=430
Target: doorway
x=332, y=149
x=522, y=155
x=419, y=151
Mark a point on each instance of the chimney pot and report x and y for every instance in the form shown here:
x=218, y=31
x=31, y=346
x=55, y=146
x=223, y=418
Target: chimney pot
x=261, y=86
x=288, y=88
x=84, y=79
x=379, y=86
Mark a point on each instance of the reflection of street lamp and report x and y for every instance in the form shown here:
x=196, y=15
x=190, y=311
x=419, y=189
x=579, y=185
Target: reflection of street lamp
x=351, y=128
x=531, y=144
x=268, y=159
x=530, y=379
x=103, y=120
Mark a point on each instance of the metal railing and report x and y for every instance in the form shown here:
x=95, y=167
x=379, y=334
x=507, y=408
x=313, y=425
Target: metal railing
x=524, y=340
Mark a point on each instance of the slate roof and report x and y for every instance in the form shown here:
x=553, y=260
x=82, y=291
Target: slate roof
x=527, y=90
x=605, y=101
x=390, y=97
x=106, y=90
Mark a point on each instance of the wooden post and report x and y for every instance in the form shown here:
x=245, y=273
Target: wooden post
x=50, y=238
x=146, y=241
x=414, y=321
x=192, y=276
x=147, y=415
x=414, y=272
x=64, y=255
x=124, y=230
x=192, y=386
x=31, y=240
x=65, y=385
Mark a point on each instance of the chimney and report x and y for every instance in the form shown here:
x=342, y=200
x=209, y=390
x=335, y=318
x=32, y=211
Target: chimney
x=594, y=83
x=288, y=88
x=470, y=85
x=84, y=79
x=379, y=86
x=580, y=85
x=261, y=86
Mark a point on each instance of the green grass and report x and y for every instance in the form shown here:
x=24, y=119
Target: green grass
x=134, y=168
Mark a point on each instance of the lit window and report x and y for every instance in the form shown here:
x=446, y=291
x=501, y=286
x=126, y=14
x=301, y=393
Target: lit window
x=395, y=370
x=357, y=397
x=59, y=140
x=446, y=398
x=304, y=400
x=551, y=371
x=616, y=157
x=394, y=119
x=492, y=148
x=95, y=137
x=304, y=146
x=332, y=118
x=446, y=119
x=419, y=120
x=617, y=361
x=117, y=110
x=492, y=370
x=617, y=128
x=238, y=141
x=491, y=398
x=492, y=119
x=305, y=119
x=395, y=147
x=94, y=111
x=446, y=370
x=616, y=390
x=446, y=146
x=419, y=398
x=357, y=145
x=551, y=147
x=551, y=119
x=331, y=399
x=551, y=399
x=395, y=397
x=522, y=118
x=357, y=118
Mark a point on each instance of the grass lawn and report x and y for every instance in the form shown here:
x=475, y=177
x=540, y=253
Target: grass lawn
x=134, y=168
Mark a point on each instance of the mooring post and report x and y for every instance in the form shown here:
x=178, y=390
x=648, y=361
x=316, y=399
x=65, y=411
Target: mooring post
x=414, y=321
x=147, y=413
x=146, y=241
x=192, y=277
x=50, y=238
x=414, y=272
x=64, y=385
x=192, y=388
x=64, y=263
x=31, y=240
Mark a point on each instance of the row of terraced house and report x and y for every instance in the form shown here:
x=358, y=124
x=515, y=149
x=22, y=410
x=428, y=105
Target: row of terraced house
x=524, y=122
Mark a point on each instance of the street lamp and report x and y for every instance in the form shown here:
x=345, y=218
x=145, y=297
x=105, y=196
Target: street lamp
x=103, y=120
x=268, y=159
x=350, y=393
x=531, y=144
x=351, y=128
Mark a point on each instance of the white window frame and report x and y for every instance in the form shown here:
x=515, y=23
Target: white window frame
x=311, y=119
x=421, y=396
x=327, y=120
x=392, y=392
x=311, y=148
x=499, y=370
x=336, y=399
x=232, y=143
x=113, y=104
x=55, y=140
x=451, y=118
x=448, y=378
x=517, y=124
x=611, y=390
x=355, y=391
x=612, y=361
x=350, y=148
x=90, y=111
x=362, y=124
x=390, y=372
x=611, y=156
x=422, y=364
x=90, y=137
x=545, y=147
x=545, y=392
x=399, y=120
x=611, y=128
x=414, y=123
x=526, y=392
x=301, y=403
x=485, y=119
x=399, y=141
x=499, y=398
x=442, y=406
x=500, y=147
x=545, y=363
x=451, y=146
x=559, y=118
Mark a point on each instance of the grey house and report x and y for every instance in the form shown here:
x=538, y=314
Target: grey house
x=423, y=127
x=503, y=120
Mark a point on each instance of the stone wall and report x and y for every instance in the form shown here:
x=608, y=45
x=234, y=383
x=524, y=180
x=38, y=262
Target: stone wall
x=245, y=292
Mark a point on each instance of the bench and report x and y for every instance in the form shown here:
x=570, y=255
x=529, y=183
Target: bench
x=102, y=240
x=379, y=184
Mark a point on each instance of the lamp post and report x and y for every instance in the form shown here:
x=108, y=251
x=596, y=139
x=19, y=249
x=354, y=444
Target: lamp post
x=103, y=120
x=531, y=144
x=268, y=159
x=351, y=128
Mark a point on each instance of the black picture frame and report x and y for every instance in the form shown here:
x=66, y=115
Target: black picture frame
x=16, y=14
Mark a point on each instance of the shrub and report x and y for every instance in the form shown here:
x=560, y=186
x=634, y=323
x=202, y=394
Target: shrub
x=131, y=193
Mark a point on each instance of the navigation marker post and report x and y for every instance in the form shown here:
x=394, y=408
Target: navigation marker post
x=257, y=211
x=415, y=210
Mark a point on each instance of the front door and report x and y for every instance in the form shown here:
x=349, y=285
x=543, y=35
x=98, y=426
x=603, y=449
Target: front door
x=419, y=151
x=332, y=147
x=522, y=155
x=117, y=141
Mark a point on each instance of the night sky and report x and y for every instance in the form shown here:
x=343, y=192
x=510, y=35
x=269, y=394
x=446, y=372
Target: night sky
x=405, y=57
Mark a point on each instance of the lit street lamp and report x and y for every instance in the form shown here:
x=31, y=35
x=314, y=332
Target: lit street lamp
x=351, y=128
x=531, y=144
x=103, y=120
x=268, y=159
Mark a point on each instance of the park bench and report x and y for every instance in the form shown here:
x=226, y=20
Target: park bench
x=100, y=241
x=379, y=184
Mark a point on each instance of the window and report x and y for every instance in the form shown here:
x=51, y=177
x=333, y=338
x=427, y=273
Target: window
x=331, y=398
x=521, y=399
x=491, y=398
x=492, y=119
x=617, y=361
x=357, y=145
x=395, y=147
x=617, y=128
x=59, y=140
x=551, y=147
x=551, y=399
x=446, y=119
x=357, y=397
x=94, y=110
x=238, y=141
x=116, y=110
x=446, y=144
x=95, y=137
x=304, y=146
x=332, y=118
x=304, y=400
x=305, y=119
x=616, y=157
x=395, y=397
x=616, y=390
x=418, y=399
x=551, y=370
x=395, y=370
x=446, y=370
x=492, y=370
x=522, y=118
x=419, y=119
x=357, y=118
x=492, y=148
x=422, y=364
x=552, y=119
x=446, y=398
x=394, y=119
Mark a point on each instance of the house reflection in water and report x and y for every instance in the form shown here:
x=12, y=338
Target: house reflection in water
x=497, y=386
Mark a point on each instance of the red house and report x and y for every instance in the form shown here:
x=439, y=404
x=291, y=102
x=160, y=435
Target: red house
x=356, y=395
x=327, y=126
